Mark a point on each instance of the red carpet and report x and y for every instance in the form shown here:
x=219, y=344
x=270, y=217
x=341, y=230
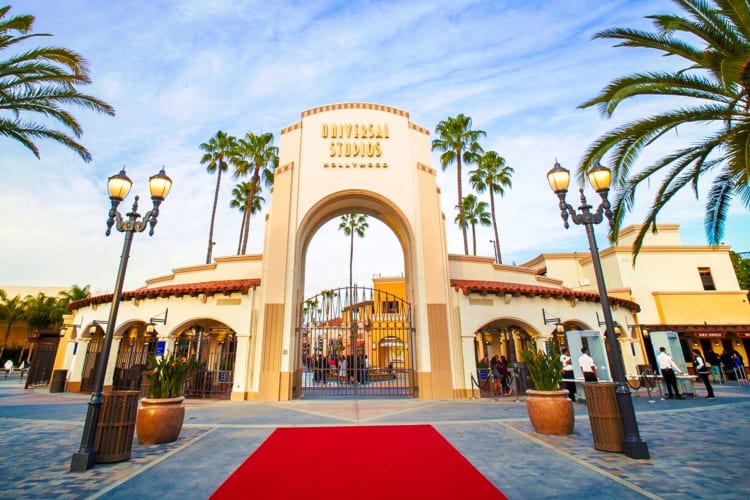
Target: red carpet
x=362, y=463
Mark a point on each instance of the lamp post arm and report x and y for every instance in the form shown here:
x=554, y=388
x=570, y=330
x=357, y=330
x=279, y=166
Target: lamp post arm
x=114, y=216
x=566, y=209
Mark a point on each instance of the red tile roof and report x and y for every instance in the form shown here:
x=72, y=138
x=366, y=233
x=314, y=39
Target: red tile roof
x=225, y=287
x=499, y=287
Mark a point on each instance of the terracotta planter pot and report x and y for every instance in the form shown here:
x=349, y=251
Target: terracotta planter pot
x=550, y=412
x=159, y=420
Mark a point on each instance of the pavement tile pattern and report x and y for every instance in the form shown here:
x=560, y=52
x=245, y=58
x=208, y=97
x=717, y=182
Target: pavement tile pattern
x=698, y=447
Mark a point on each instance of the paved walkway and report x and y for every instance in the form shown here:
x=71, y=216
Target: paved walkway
x=698, y=447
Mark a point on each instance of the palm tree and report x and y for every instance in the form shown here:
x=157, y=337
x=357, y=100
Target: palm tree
x=75, y=293
x=258, y=154
x=241, y=199
x=492, y=174
x=353, y=224
x=41, y=312
x=475, y=212
x=219, y=152
x=38, y=82
x=310, y=309
x=458, y=144
x=712, y=87
x=11, y=311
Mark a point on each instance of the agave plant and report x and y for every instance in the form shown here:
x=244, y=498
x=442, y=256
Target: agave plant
x=168, y=375
x=545, y=369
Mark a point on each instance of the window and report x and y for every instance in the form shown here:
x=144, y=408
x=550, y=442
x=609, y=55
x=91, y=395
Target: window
x=706, y=278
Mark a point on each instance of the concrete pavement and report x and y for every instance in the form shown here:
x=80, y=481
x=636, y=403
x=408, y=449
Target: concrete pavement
x=698, y=447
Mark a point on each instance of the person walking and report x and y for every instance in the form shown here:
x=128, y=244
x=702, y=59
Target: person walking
x=739, y=365
x=713, y=359
x=668, y=368
x=497, y=375
x=701, y=369
x=587, y=365
x=567, y=374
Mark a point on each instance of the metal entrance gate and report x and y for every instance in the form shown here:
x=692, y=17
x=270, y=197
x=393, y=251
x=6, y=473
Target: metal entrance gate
x=91, y=362
x=355, y=342
x=43, y=361
x=132, y=360
x=214, y=349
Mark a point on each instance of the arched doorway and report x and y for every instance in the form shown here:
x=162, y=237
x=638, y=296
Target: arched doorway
x=214, y=349
x=132, y=357
x=94, y=349
x=355, y=342
x=504, y=338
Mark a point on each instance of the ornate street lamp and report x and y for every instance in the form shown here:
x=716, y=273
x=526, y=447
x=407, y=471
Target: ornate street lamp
x=119, y=185
x=600, y=178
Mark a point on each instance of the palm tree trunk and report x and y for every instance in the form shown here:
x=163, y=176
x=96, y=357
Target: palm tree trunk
x=213, y=217
x=461, y=203
x=351, y=261
x=253, y=188
x=498, y=259
x=474, y=237
x=242, y=230
x=5, y=340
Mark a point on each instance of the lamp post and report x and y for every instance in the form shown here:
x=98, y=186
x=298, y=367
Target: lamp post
x=600, y=178
x=119, y=185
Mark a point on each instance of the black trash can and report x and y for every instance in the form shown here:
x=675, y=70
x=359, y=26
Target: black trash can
x=57, y=383
x=114, y=434
x=604, y=416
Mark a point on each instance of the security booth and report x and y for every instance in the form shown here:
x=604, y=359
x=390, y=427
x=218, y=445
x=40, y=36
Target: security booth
x=594, y=341
x=671, y=342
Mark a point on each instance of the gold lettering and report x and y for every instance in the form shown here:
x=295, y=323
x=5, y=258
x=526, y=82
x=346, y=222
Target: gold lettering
x=378, y=152
x=324, y=130
x=370, y=131
x=385, y=131
x=347, y=149
x=332, y=149
x=378, y=132
x=348, y=128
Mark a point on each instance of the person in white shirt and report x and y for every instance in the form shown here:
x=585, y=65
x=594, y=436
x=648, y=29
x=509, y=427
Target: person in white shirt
x=587, y=365
x=668, y=368
x=567, y=374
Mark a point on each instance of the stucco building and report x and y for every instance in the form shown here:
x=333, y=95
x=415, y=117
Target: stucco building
x=246, y=319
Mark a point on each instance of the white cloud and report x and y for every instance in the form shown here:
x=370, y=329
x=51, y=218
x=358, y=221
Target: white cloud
x=178, y=71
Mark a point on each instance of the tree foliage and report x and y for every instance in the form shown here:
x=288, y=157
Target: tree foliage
x=492, y=175
x=37, y=84
x=459, y=144
x=711, y=40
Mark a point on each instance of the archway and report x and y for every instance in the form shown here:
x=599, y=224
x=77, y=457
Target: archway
x=94, y=350
x=136, y=344
x=213, y=346
x=354, y=158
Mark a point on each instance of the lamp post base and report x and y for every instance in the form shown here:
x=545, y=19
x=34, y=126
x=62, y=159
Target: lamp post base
x=82, y=461
x=635, y=449
x=632, y=445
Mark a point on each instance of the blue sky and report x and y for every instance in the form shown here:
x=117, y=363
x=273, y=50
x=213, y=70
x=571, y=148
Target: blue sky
x=177, y=71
